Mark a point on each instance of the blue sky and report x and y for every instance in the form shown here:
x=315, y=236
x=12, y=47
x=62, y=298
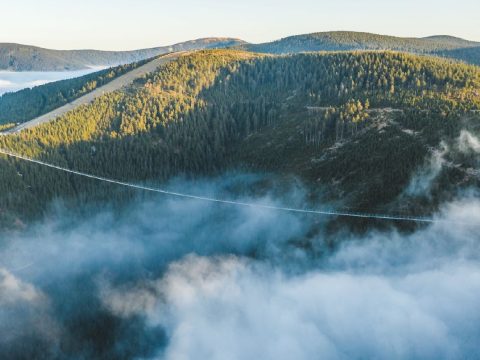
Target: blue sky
x=131, y=24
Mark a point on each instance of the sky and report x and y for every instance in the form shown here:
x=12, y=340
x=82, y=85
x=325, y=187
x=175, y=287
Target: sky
x=133, y=24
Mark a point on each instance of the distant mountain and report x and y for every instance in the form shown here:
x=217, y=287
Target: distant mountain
x=470, y=55
x=17, y=57
x=442, y=45
x=345, y=40
x=451, y=40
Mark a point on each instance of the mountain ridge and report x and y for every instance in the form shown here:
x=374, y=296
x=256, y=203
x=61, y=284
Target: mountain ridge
x=436, y=45
x=19, y=57
x=349, y=38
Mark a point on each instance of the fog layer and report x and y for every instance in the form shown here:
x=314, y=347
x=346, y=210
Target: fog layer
x=11, y=81
x=183, y=279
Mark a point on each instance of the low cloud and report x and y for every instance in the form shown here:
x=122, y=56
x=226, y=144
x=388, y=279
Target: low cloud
x=231, y=308
x=383, y=296
x=5, y=83
x=467, y=142
x=422, y=181
x=11, y=81
x=182, y=279
x=26, y=325
x=13, y=290
x=66, y=258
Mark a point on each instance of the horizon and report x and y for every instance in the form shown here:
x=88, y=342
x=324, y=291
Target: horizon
x=238, y=38
x=120, y=25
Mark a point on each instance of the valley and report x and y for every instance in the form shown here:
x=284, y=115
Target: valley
x=311, y=197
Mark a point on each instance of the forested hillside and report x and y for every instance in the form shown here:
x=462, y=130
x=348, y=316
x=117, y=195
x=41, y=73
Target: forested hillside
x=28, y=104
x=354, y=127
x=470, y=55
x=17, y=57
x=446, y=46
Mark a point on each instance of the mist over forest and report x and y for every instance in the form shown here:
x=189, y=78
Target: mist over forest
x=312, y=197
x=172, y=278
x=11, y=81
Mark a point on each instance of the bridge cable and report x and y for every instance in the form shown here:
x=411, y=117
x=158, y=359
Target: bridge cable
x=225, y=201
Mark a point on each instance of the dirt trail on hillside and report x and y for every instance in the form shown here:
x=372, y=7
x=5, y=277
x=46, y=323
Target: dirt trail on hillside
x=112, y=86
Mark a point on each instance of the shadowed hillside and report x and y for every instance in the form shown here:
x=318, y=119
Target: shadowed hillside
x=333, y=120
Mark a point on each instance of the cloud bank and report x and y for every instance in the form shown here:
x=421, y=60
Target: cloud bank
x=11, y=81
x=180, y=279
x=385, y=296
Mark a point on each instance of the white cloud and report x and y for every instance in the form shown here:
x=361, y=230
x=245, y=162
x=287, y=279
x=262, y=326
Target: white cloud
x=383, y=296
x=229, y=309
x=421, y=182
x=5, y=83
x=25, y=318
x=184, y=279
x=13, y=289
x=13, y=81
x=468, y=142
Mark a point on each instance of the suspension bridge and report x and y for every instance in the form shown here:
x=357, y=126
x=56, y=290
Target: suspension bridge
x=325, y=212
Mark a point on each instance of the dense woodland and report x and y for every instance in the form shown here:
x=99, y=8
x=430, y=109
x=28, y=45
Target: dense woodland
x=470, y=55
x=214, y=110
